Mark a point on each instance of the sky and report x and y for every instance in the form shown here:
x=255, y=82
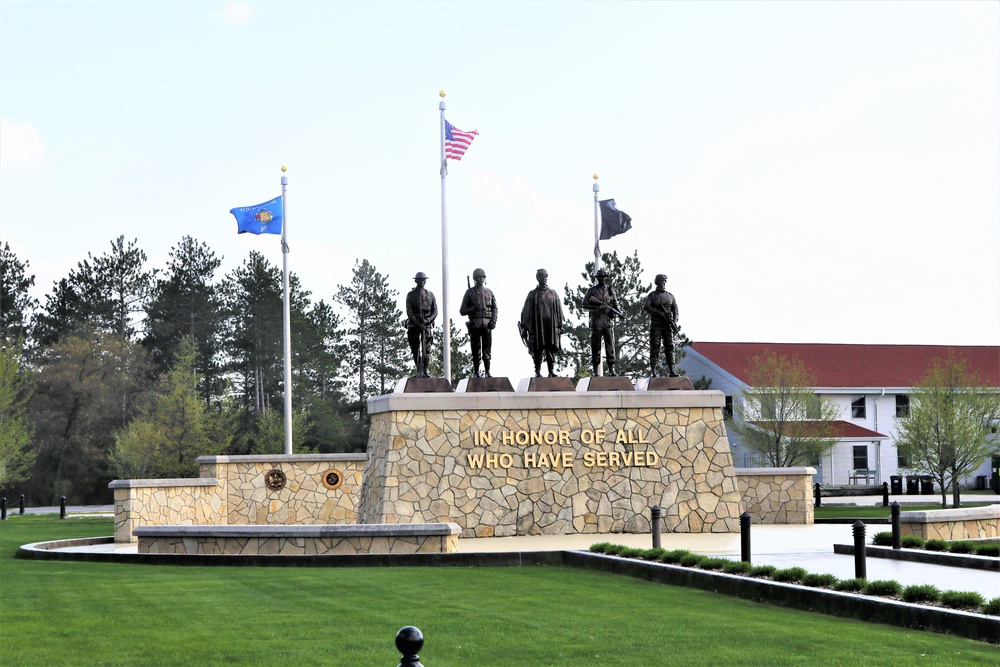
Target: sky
x=816, y=172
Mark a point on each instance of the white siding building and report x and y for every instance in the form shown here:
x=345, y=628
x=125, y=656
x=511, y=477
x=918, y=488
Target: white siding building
x=870, y=384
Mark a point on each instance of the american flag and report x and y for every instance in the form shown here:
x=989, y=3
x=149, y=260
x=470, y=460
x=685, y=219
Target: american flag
x=456, y=142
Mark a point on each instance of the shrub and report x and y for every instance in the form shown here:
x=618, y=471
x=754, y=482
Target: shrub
x=736, y=567
x=882, y=539
x=960, y=548
x=691, y=560
x=882, y=587
x=969, y=600
x=675, y=556
x=936, y=545
x=849, y=585
x=652, y=554
x=713, y=563
x=600, y=547
x=921, y=593
x=630, y=552
x=762, y=570
x=614, y=549
x=986, y=549
x=789, y=575
x=912, y=542
x=819, y=580
x=992, y=607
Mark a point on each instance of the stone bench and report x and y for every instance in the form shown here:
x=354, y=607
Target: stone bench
x=380, y=538
x=952, y=524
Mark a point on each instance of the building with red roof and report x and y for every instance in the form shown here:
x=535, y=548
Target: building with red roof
x=869, y=383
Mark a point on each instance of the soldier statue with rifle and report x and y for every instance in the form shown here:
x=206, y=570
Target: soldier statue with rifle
x=662, y=309
x=421, y=311
x=600, y=300
x=480, y=306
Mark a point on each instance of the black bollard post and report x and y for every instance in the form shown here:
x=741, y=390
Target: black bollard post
x=20, y=504
x=409, y=641
x=860, y=571
x=894, y=512
x=885, y=494
x=62, y=507
x=818, y=495
x=745, y=520
x=655, y=521
x=3, y=508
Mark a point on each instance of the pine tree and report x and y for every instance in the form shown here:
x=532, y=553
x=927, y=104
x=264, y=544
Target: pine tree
x=16, y=304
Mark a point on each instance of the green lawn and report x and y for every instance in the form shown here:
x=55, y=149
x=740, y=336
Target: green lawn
x=69, y=613
x=876, y=511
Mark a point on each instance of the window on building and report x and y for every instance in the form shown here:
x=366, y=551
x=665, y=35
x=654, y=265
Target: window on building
x=861, y=457
x=900, y=461
x=859, y=408
x=813, y=408
x=902, y=405
x=727, y=410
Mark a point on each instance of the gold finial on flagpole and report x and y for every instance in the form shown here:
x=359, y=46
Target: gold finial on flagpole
x=284, y=168
x=442, y=93
x=595, y=177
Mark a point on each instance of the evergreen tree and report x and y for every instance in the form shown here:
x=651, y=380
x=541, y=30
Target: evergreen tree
x=461, y=356
x=377, y=353
x=186, y=304
x=16, y=304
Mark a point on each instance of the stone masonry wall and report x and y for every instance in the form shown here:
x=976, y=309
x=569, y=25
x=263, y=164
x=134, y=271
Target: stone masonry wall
x=160, y=502
x=430, y=475
x=952, y=524
x=777, y=495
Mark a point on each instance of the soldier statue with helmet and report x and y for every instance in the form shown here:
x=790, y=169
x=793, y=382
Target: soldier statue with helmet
x=480, y=306
x=421, y=311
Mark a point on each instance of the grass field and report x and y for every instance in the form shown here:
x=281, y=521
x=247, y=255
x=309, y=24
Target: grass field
x=69, y=613
x=877, y=511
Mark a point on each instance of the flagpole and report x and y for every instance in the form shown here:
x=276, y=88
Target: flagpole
x=597, y=227
x=446, y=336
x=599, y=371
x=287, y=313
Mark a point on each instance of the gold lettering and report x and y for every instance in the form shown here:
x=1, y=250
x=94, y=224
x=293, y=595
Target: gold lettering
x=613, y=459
x=506, y=460
x=621, y=439
x=588, y=459
x=567, y=459
x=485, y=438
x=530, y=460
x=550, y=440
x=641, y=441
x=652, y=458
x=536, y=437
x=640, y=458
x=599, y=437
x=602, y=459
x=474, y=460
x=563, y=437
x=521, y=437
x=627, y=458
x=508, y=438
x=586, y=437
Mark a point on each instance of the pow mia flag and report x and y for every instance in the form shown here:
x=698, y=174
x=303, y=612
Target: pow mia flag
x=613, y=221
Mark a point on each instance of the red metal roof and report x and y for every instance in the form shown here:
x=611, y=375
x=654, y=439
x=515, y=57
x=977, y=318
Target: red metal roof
x=836, y=429
x=857, y=365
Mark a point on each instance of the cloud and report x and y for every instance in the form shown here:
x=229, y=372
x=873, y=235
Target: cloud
x=235, y=13
x=20, y=146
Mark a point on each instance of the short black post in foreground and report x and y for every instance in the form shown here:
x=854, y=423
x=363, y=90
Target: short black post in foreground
x=860, y=571
x=20, y=504
x=654, y=520
x=885, y=494
x=409, y=641
x=818, y=495
x=745, y=520
x=894, y=512
x=62, y=507
x=3, y=508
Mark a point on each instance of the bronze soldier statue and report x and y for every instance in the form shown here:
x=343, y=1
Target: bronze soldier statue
x=481, y=307
x=662, y=309
x=421, y=311
x=600, y=300
x=541, y=324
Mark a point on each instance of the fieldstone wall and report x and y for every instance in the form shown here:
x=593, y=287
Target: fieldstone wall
x=232, y=491
x=505, y=464
x=952, y=524
x=777, y=495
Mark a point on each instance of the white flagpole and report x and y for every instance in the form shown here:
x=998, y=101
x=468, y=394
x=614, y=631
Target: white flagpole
x=597, y=227
x=597, y=261
x=288, y=315
x=446, y=336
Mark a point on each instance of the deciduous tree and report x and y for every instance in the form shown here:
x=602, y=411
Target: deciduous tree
x=16, y=454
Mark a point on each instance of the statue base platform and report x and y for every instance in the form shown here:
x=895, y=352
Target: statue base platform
x=664, y=384
x=545, y=384
x=605, y=383
x=472, y=385
x=424, y=386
